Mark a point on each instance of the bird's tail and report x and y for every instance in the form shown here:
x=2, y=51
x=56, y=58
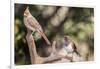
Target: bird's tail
x=45, y=38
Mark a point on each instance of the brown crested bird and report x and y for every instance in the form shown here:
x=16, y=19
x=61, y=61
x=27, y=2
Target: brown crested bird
x=32, y=24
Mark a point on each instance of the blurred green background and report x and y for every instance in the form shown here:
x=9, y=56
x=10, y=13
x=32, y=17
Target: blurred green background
x=57, y=21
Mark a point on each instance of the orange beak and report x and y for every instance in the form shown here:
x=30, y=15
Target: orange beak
x=25, y=14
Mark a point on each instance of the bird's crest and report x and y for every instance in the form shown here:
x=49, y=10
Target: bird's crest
x=26, y=12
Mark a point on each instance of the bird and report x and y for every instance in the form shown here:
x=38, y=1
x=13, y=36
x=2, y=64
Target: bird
x=32, y=24
x=70, y=46
x=69, y=50
x=67, y=47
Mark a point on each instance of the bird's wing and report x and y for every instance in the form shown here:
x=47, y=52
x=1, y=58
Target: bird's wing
x=34, y=23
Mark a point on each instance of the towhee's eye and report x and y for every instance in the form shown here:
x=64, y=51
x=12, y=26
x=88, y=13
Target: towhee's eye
x=66, y=40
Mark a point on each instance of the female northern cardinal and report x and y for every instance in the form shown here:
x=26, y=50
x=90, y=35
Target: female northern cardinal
x=32, y=24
